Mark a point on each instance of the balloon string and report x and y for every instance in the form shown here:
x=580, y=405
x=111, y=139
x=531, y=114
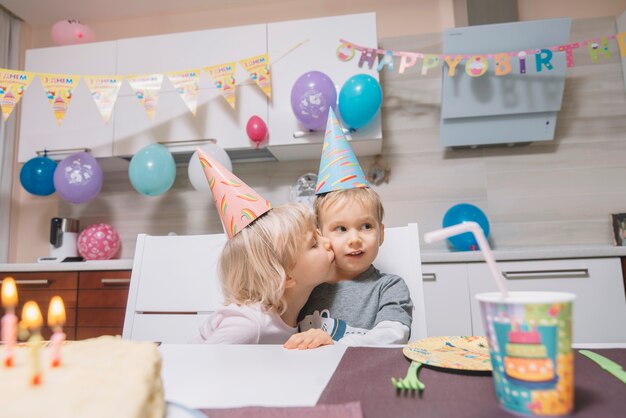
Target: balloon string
x=289, y=51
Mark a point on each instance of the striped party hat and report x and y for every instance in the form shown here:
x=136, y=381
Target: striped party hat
x=339, y=168
x=237, y=203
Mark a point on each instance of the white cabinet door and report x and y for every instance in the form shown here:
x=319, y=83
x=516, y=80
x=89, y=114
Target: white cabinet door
x=83, y=126
x=319, y=54
x=173, y=122
x=447, y=299
x=599, y=308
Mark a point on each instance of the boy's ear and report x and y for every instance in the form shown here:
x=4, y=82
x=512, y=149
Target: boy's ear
x=382, y=235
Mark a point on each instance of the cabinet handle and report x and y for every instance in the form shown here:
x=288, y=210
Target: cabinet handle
x=429, y=277
x=547, y=274
x=61, y=151
x=114, y=282
x=188, y=142
x=31, y=282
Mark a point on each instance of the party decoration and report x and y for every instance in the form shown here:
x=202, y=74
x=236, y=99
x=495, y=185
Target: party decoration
x=104, y=91
x=152, y=170
x=465, y=212
x=98, y=242
x=13, y=84
x=195, y=171
x=236, y=202
x=312, y=95
x=259, y=69
x=256, y=130
x=37, y=176
x=147, y=88
x=187, y=84
x=223, y=76
x=339, y=168
x=59, y=90
x=71, y=32
x=78, y=178
x=359, y=100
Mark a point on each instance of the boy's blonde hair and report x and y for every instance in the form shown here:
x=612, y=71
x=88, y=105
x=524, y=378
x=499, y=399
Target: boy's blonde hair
x=363, y=196
x=254, y=264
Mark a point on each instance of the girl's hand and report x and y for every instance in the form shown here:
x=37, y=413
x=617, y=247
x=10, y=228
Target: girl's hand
x=312, y=338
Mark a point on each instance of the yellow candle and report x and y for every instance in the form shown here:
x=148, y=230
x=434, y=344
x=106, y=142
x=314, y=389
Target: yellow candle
x=9, y=293
x=56, y=320
x=32, y=320
x=9, y=320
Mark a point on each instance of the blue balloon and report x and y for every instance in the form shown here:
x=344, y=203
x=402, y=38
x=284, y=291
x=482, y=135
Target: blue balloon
x=37, y=176
x=359, y=100
x=152, y=170
x=465, y=212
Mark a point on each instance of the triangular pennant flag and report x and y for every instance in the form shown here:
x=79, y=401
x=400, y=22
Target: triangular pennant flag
x=259, y=69
x=104, y=91
x=237, y=203
x=147, y=88
x=223, y=76
x=59, y=90
x=339, y=168
x=13, y=84
x=187, y=84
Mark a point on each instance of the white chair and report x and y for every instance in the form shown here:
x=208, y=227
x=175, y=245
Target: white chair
x=173, y=287
x=400, y=254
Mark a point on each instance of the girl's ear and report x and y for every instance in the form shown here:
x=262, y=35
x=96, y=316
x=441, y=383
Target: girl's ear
x=382, y=235
x=289, y=282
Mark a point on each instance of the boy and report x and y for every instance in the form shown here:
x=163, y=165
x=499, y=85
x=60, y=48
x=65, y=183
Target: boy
x=363, y=306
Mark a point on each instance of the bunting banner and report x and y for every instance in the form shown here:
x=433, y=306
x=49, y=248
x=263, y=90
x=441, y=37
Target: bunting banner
x=223, y=76
x=475, y=65
x=187, y=84
x=59, y=89
x=104, y=91
x=13, y=84
x=259, y=69
x=147, y=88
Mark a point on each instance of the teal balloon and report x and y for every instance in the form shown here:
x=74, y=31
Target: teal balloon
x=152, y=170
x=465, y=212
x=37, y=176
x=359, y=100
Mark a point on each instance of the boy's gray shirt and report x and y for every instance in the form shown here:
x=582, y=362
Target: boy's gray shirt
x=364, y=301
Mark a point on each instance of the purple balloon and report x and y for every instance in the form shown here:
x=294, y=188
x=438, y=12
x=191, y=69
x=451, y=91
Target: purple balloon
x=78, y=178
x=312, y=95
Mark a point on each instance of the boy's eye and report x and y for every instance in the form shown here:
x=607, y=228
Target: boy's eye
x=367, y=226
x=341, y=229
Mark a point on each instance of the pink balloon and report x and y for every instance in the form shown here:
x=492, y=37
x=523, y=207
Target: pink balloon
x=71, y=32
x=98, y=242
x=256, y=129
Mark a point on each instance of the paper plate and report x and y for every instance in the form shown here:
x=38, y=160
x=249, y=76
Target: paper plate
x=461, y=353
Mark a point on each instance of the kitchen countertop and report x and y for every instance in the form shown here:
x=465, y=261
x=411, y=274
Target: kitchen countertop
x=123, y=264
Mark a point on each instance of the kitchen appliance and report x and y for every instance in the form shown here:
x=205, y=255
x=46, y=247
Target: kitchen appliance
x=63, y=238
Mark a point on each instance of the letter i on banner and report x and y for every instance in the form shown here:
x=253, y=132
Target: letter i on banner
x=59, y=89
x=13, y=84
x=259, y=69
x=187, y=84
x=104, y=91
x=147, y=88
x=223, y=76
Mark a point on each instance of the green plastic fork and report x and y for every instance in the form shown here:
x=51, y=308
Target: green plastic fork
x=410, y=381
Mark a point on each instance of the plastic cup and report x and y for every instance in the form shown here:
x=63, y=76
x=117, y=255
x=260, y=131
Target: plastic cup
x=530, y=342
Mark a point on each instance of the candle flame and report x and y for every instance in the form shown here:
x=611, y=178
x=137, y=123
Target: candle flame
x=56, y=312
x=31, y=315
x=9, y=293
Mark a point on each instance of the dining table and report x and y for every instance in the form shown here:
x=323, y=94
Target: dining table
x=232, y=381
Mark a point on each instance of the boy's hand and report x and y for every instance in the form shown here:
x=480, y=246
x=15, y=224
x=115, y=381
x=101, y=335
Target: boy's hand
x=312, y=338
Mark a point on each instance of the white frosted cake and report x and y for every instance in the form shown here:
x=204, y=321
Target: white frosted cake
x=101, y=377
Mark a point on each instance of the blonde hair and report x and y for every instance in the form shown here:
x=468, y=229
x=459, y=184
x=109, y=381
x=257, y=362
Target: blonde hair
x=254, y=264
x=363, y=196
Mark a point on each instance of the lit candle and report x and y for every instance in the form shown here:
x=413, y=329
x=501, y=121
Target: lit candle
x=56, y=320
x=32, y=320
x=9, y=320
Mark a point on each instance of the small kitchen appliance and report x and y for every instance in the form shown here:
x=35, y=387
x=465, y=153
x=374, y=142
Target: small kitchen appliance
x=63, y=238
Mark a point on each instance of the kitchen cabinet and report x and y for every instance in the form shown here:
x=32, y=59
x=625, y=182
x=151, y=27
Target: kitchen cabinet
x=83, y=126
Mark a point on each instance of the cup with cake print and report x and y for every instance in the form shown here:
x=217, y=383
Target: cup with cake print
x=530, y=342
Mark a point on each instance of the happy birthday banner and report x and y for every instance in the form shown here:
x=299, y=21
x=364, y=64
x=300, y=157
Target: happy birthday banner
x=477, y=64
x=59, y=88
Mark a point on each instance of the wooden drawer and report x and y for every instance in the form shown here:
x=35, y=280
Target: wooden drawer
x=106, y=280
x=95, y=317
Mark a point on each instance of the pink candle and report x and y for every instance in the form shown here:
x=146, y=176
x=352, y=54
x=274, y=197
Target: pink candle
x=32, y=320
x=56, y=320
x=9, y=320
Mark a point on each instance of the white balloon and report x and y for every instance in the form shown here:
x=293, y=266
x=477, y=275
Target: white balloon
x=196, y=173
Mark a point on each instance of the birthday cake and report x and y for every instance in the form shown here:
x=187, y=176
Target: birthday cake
x=527, y=358
x=101, y=377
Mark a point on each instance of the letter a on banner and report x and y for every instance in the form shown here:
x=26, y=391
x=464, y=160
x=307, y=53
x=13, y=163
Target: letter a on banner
x=104, y=90
x=259, y=69
x=147, y=88
x=187, y=84
x=223, y=76
x=59, y=89
x=13, y=84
